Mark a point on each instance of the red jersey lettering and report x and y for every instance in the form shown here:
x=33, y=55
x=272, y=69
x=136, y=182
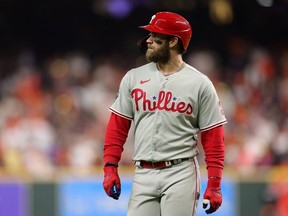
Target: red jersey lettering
x=164, y=101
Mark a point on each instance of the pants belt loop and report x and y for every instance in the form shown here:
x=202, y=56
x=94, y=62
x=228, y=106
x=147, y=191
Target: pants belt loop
x=138, y=164
x=168, y=163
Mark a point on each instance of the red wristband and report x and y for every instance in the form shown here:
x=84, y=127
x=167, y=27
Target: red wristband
x=215, y=172
x=214, y=182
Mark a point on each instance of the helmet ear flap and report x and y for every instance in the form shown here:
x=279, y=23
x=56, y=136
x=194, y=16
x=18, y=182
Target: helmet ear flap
x=142, y=44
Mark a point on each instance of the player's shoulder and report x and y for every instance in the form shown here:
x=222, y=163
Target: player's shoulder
x=145, y=67
x=195, y=73
x=139, y=72
x=142, y=69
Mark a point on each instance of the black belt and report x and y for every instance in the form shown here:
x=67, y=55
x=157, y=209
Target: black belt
x=159, y=164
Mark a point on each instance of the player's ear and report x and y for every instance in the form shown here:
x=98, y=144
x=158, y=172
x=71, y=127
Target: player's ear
x=173, y=42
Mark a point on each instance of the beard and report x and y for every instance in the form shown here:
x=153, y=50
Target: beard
x=162, y=55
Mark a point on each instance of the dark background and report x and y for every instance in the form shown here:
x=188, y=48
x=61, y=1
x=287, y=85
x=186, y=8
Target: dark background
x=59, y=26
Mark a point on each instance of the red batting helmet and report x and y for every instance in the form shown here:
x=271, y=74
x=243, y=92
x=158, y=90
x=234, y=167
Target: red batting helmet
x=170, y=24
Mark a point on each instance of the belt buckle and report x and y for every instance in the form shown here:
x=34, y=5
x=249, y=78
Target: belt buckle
x=168, y=163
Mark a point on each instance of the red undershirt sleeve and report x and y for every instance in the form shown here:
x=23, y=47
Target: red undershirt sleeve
x=214, y=148
x=115, y=138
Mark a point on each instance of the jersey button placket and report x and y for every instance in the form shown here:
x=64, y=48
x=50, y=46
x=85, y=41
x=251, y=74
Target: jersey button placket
x=157, y=124
x=156, y=131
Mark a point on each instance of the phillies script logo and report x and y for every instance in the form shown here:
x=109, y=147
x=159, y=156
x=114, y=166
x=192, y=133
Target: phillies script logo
x=164, y=101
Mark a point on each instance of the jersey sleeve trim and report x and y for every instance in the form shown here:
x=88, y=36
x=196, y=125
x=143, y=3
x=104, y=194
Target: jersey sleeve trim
x=120, y=114
x=214, y=125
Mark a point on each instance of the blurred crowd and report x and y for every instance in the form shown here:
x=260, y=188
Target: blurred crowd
x=54, y=113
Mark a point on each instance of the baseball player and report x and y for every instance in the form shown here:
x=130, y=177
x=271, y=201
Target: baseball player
x=169, y=103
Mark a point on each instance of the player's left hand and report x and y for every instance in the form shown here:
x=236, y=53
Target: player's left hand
x=212, y=195
x=111, y=183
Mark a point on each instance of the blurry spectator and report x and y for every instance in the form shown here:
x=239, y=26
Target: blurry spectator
x=27, y=137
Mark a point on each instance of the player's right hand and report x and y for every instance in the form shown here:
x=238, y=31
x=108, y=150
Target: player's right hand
x=111, y=183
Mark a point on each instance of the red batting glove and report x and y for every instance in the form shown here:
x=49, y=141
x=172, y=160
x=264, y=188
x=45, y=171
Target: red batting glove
x=212, y=195
x=111, y=183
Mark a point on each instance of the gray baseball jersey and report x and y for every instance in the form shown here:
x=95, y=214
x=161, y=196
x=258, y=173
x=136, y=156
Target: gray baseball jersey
x=168, y=111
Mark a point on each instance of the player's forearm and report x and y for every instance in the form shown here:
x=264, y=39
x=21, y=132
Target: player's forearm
x=115, y=138
x=214, y=148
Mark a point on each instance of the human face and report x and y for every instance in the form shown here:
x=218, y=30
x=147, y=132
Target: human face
x=158, y=48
